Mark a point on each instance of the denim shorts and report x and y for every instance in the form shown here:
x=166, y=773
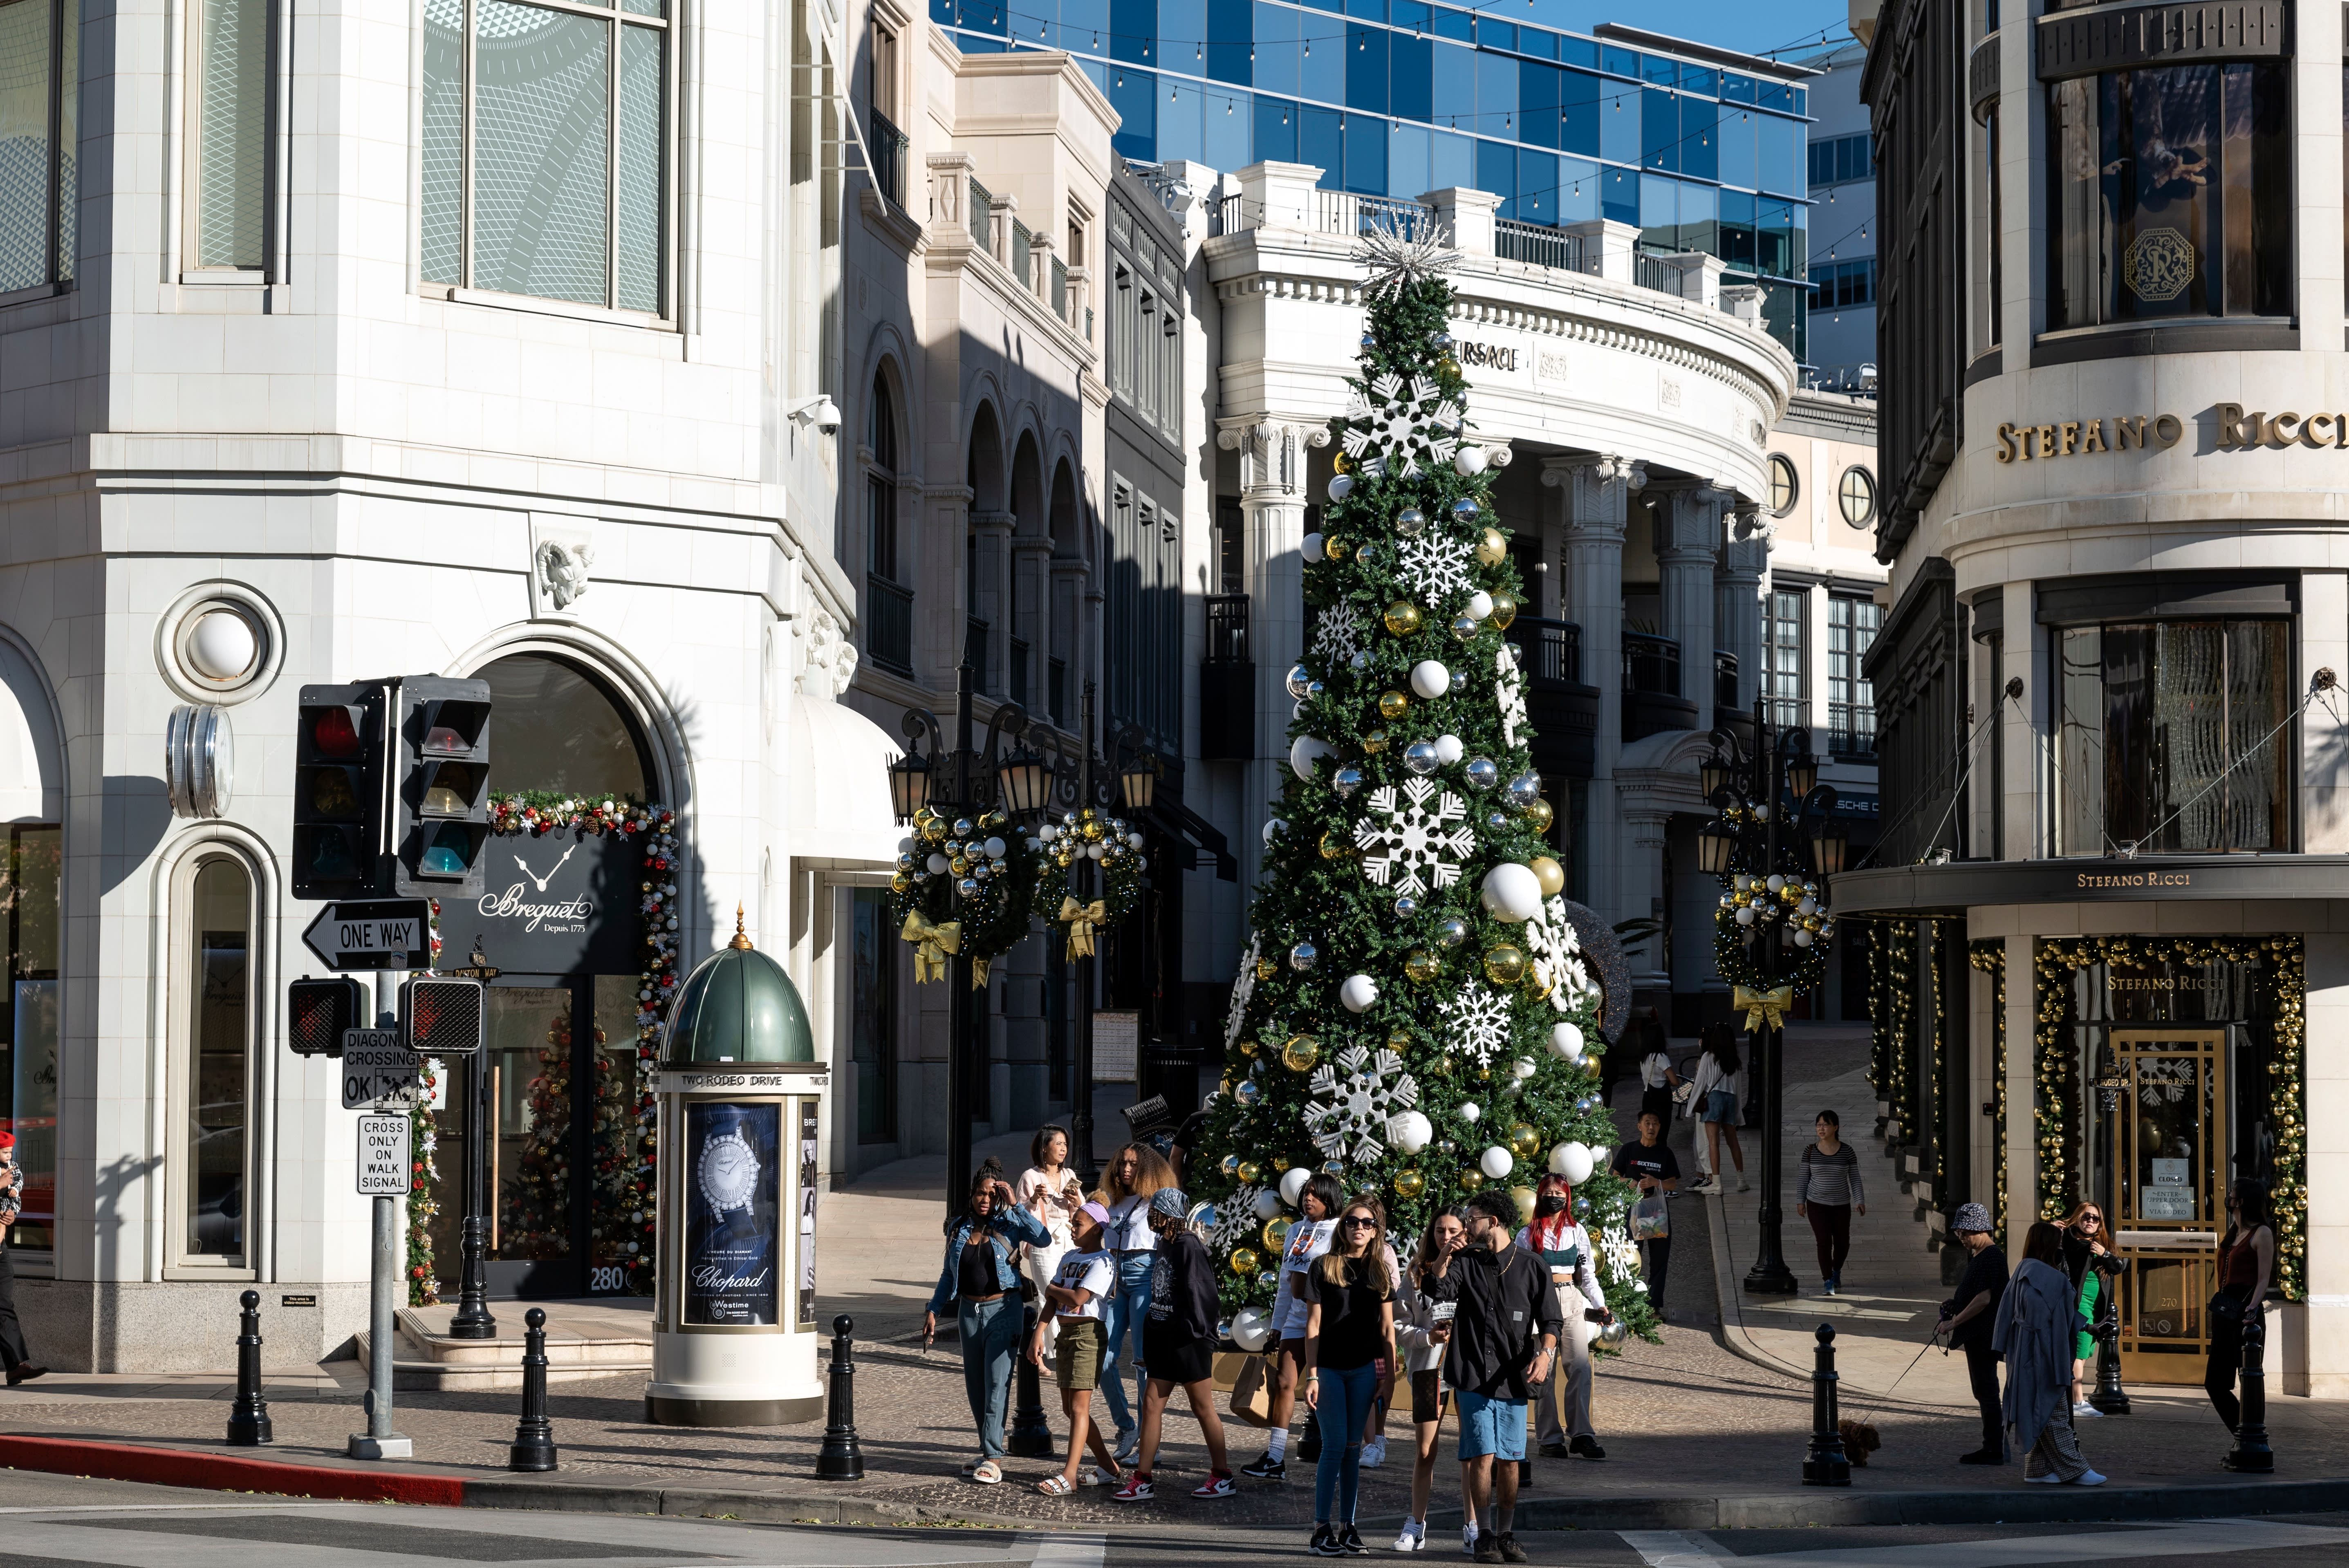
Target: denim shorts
x=1720, y=1105
x=1490, y=1426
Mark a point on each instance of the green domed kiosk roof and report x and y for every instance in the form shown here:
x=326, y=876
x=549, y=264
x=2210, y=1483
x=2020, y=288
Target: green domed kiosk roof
x=738, y=1005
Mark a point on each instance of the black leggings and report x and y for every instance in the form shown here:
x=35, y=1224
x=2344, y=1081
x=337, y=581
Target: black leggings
x=1659, y=1251
x=1831, y=1225
x=1982, y=1372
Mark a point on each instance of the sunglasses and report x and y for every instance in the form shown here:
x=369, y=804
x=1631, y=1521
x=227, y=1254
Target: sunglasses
x=1360, y=1223
x=2092, y=1219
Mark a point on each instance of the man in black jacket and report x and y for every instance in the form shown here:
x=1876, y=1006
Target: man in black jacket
x=1969, y=1318
x=1499, y=1343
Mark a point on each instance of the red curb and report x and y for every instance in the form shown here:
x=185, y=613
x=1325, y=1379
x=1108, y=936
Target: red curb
x=226, y=1472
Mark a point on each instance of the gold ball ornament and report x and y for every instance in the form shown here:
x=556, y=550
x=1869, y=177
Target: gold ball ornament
x=1244, y=1261
x=1374, y=742
x=1505, y=608
x=1523, y=1197
x=1409, y=1183
x=1398, y=1040
x=1335, y=548
x=1471, y=1179
x=1340, y=463
x=1504, y=964
x=1266, y=968
x=1392, y=703
x=1403, y=618
x=1524, y=1141
x=1280, y=1163
x=1249, y=1172
x=1275, y=1233
x=1301, y=1053
x=1492, y=548
x=1538, y=815
x=899, y=882
x=1549, y=875
x=1334, y=847
x=1421, y=966
x=1248, y=1048
x=1537, y=981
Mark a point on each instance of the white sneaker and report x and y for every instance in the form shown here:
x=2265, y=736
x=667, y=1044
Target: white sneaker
x=1743, y=1185
x=1374, y=1452
x=2089, y=1478
x=1413, y=1536
x=2087, y=1412
x=1129, y=1443
x=1467, y=1541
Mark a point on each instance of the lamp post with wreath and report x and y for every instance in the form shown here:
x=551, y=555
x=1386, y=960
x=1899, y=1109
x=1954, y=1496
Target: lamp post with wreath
x=1774, y=847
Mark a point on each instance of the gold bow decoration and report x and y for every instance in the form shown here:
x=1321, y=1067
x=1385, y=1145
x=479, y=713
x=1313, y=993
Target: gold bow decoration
x=1758, y=1006
x=935, y=940
x=1081, y=919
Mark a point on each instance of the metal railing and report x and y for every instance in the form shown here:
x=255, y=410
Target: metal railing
x=1060, y=288
x=1653, y=271
x=1549, y=650
x=1228, y=628
x=1724, y=680
x=1229, y=216
x=1851, y=730
x=1343, y=213
x=889, y=624
x=982, y=216
x=1022, y=256
x=1790, y=713
x=887, y=146
x=1651, y=664
x=1542, y=246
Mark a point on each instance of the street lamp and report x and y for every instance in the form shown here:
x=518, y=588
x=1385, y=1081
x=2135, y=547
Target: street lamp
x=1775, y=842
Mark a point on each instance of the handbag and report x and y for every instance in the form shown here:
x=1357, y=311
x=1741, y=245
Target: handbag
x=2226, y=1310
x=1251, y=1399
x=1650, y=1218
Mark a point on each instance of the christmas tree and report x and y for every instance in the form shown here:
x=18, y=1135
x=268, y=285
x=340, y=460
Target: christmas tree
x=1414, y=1014
x=536, y=1219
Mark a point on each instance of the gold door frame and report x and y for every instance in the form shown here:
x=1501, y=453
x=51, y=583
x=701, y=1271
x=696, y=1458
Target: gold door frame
x=2164, y=1204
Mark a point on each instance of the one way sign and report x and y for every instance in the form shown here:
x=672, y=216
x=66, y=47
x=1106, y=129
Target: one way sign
x=374, y=933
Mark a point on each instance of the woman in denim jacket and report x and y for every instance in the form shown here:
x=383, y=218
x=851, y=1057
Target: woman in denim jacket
x=980, y=1277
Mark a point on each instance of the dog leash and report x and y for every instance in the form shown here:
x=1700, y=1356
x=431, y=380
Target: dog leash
x=1931, y=1339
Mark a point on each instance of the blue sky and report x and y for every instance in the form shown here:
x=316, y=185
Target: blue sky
x=1790, y=24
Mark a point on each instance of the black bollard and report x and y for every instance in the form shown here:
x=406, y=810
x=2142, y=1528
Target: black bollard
x=2109, y=1396
x=1032, y=1433
x=248, y=1418
x=2251, y=1454
x=534, y=1444
x=840, y=1458
x=1826, y=1464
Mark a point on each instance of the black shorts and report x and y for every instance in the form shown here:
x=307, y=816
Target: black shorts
x=1183, y=1361
x=1428, y=1395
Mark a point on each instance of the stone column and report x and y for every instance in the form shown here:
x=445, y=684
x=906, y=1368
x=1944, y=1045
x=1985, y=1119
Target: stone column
x=1688, y=552
x=1644, y=822
x=1273, y=483
x=1594, y=495
x=1737, y=616
x=991, y=594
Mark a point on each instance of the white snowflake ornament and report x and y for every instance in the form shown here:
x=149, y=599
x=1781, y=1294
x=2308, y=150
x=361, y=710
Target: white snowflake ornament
x=1436, y=568
x=1419, y=845
x=1401, y=424
x=1237, y=1224
x=1357, y=1097
x=1618, y=1254
x=1509, y=690
x=1478, y=1018
x=1558, y=956
x=1397, y=256
x=1243, y=991
x=1338, y=634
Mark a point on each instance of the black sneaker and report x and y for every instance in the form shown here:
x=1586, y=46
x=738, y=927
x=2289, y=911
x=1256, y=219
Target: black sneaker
x=1488, y=1547
x=1982, y=1457
x=1351, y=1540
x=1553, y=1450
x=1510, y=1551
x=1587, y=1447
x=1325, y=1543
x=1267, y=1469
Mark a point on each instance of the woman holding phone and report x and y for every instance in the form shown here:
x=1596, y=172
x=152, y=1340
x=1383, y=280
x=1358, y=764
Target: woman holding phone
x=1052, y=1193
x=1423, y=1299
x=1349, y=1327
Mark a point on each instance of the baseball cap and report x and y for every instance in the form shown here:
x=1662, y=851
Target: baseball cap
x=1094, y=1211
x=1169, y=1202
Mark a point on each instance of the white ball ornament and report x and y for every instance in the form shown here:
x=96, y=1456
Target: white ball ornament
x=1566, y=1040
x=1497, y=1162
x=1430, y=679
x=1470, y=1110
x=1522, y=1066
x=1802, y=939
x=994, y=848
x=1411, y=1131
x=1468, y=462
x=1340, y=486
x=1746, y=915
x=1357, y=992
x=1480, y=603
x=1304, y=752
x=1292, y=1184
x=1574, y=1160
x=937, y=863
x=1251, y=1330
x=1449, y=749
x=1268, y=1204
x=1272, y=828
x=1512, y=892
x=1312, y=547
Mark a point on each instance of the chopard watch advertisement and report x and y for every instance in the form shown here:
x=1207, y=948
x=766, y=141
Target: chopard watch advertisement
x=733, y=1167
x=560, y=904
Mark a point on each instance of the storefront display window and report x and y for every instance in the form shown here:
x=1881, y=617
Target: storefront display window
x=2170, y=737
x=2169, y=194
x=29, y=1049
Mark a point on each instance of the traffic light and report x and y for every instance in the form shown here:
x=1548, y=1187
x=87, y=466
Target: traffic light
x=442, y=1017
x=338, y=762
x=318, y=1011
x=441, y=806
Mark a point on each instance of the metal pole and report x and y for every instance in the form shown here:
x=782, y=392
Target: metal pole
x=1081, y=1120
x=2252, y=1455
x=1770, y=1275
x=2110, y=1396
x=248, y=1417
x=533, y=1445
x=1826, y=1464
x=379, y=1442
x=842, y=1458
x=1032, y=1433
x=472, y=1319
x=958, y=1009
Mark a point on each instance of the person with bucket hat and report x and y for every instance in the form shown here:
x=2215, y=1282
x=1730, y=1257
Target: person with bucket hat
x=1178, y=1345
x=1968, y=1320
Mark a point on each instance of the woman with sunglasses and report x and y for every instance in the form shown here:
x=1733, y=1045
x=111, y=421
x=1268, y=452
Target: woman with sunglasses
x=2086, y=1260
x=2246, y=1269
x=1349, y=1330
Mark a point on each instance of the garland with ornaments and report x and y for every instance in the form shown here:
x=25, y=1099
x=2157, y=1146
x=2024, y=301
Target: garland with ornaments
x=1415, y=1016
x=1110, y=844
x=623, y=1148
x=964, y=885
x=1990, y=956
x=2060, y=1085
x=1753, y=899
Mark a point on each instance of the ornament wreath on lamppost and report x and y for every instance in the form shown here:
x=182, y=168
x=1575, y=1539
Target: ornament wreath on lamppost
x=1774, y=847
x=963, y=877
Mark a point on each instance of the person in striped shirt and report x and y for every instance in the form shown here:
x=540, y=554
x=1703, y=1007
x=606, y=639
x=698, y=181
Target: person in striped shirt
x=1827, y=1190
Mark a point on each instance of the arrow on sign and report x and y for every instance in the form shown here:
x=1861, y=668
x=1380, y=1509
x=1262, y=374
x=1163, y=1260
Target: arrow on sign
x=373, y=933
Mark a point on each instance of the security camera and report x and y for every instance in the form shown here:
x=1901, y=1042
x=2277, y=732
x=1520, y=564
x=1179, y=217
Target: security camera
x=819, y=411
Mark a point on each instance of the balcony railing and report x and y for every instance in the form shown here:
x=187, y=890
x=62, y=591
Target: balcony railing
x=1851, y=730
x=982, y=216
x=1021, y=255
x=1227, y=683
x=887, y=146
x=1548, y=650
x=1790, y=713
x=974, y=643
x=1653, y=271
x=1228, y=628
x=1651, y=664
x=889, y=626
x=1541, y=246
x=1563, y=711
x=1056, y=691
x=1724, y=680
x=1060, y=288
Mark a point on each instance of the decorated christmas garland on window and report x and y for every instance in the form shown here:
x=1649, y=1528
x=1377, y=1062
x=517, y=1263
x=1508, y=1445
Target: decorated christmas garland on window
x=1110, y=843
x=989, y=863
x=1990, y=957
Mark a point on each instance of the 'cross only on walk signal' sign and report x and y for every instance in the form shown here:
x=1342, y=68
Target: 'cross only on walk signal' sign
x=383, y=1157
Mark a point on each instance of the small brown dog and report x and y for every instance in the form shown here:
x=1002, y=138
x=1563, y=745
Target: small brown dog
x=1859, y=1440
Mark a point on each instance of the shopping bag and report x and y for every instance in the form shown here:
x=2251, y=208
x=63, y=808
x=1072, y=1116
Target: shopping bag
x=1251, y=1400
x=1650, y=1218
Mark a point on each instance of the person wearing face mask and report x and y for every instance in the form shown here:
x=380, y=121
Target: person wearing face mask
x=1562, y=1403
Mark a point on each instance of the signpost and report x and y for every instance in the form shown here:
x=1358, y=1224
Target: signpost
x=380, y=1077
x=373, y=933
x=383, y=1157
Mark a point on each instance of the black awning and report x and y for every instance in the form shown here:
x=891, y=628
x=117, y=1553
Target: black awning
x=1194, y=833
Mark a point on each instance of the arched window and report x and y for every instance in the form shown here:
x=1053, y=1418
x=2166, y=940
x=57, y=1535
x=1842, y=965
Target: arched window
x=215, y=1088
x=555, y=726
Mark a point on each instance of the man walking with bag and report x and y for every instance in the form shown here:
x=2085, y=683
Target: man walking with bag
x=1498, y=1344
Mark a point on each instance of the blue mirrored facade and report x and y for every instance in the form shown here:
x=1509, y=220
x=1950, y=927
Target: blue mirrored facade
x=1398, y=98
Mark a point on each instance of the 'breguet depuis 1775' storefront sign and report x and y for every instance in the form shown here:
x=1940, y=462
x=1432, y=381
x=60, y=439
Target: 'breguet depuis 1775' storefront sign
x=566, y=904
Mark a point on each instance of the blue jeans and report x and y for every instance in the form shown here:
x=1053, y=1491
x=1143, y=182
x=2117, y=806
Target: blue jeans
x=990, y=1345
x=1128, y=1309
x=1344, y=1410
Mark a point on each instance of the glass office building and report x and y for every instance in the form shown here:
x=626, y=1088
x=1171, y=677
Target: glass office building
x=1398, y=98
